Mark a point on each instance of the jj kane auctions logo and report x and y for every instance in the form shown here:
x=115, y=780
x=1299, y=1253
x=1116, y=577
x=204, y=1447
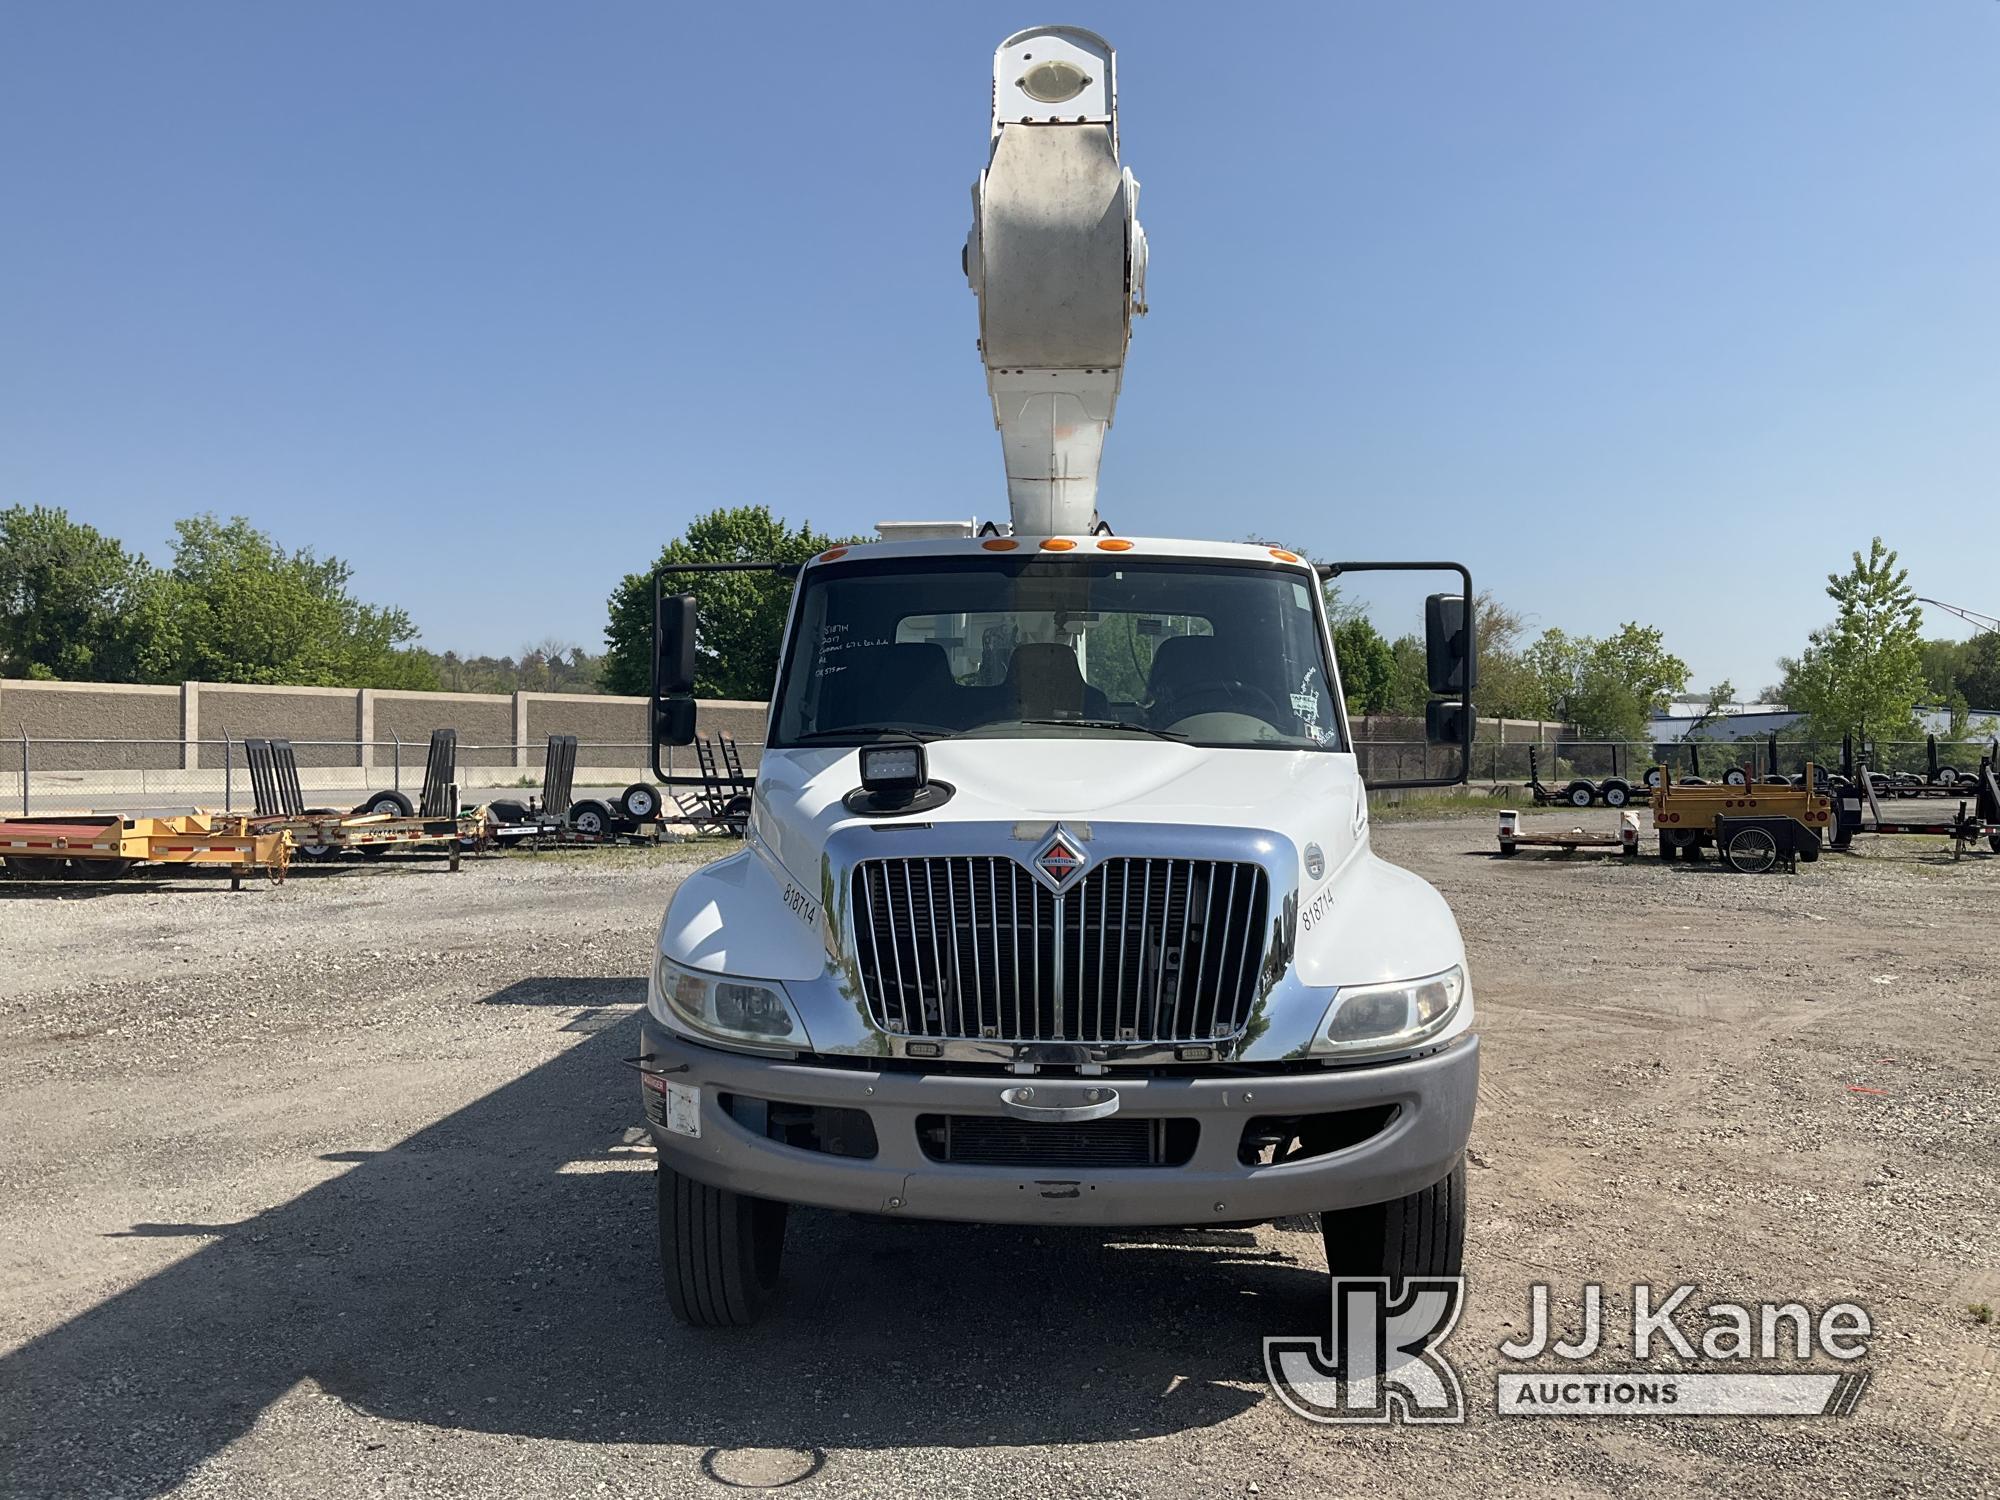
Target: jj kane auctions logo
x=1381, y=1360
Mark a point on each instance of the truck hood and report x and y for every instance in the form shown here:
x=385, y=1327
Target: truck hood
x=1309, y=796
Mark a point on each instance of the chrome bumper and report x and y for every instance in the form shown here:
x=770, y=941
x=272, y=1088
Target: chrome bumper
x=1434, y=1097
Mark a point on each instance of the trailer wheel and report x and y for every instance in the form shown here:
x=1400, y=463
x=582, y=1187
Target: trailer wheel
x=590, y=818
x=509, y=810
x=1753, y=851
x=387, y=804
x=1654, y=776
x=101, y=869
x=1774, y=780
x=719, y=1251
x=1694, y=781
x=1736, y=776
x=1579, y=794
x=1947, y=776
x=640, y=802
x=1615, y=793
x=1419, y=1235
x=35, y=867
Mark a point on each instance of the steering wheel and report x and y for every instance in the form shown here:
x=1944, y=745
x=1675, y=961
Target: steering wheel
x=1224, y=695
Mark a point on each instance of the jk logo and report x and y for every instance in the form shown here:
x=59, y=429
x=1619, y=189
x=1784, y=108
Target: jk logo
x=1380, y=1362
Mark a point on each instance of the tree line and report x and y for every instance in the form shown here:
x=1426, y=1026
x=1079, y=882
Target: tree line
x=231, y=605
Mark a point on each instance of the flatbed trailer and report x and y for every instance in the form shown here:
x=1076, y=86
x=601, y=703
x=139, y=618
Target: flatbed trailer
x=1625, y=841
x=1754, y=827
x=1980, y=819
x=107, y=846
x=326, y=833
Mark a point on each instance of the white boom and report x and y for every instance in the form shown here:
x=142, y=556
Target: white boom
x=1058, y=260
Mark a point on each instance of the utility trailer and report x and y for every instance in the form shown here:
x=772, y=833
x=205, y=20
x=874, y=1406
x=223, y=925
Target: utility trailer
x=1755, y=828
x=1580, y=791
x=109, y=846
x=327, y=833
x=724, y=801
x=555, y=818
x=1980, y=819
x=1513, y=837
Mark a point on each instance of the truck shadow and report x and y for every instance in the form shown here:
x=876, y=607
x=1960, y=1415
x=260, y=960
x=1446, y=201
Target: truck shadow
x=497, y=1272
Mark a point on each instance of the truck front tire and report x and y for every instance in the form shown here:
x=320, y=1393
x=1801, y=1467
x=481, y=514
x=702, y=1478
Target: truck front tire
x=1421, y=1235
x=719, y=1252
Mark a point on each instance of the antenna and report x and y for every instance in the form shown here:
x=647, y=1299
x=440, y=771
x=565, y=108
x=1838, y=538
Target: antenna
x=1058, y=261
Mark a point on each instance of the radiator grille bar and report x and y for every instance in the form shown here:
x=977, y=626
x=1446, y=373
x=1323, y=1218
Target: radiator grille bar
x=1139, y=950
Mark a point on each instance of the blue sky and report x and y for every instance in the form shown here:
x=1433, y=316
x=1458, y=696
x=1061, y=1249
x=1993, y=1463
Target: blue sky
x=1646, y=311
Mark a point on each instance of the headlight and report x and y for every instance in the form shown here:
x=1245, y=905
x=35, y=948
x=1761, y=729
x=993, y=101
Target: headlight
x=1390, y=1017
x=737, y=1010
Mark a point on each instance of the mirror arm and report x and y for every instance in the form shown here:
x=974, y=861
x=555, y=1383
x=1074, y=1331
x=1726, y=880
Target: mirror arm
x=1329, y=571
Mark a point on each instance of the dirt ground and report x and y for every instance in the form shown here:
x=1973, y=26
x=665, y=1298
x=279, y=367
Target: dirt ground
x=326, y=1190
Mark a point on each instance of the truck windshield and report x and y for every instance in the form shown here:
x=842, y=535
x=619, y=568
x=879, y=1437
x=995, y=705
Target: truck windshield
x=1214, y=653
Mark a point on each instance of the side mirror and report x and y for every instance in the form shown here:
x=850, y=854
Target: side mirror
x=1444, y=722
x=673, y=671
x=673, y=721
x=1448, y=644
x=673, y=644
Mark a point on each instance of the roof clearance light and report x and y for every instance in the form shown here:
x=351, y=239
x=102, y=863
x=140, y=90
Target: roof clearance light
x=1000, y=544
x=1058, y=544
x=1114, y=544
x=1053, y=81
x=1283, y=556
x=831, y=553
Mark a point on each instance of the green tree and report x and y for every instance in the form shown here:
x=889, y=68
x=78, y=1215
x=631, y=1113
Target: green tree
x=235, y=606
x=742, y=614
x=1607, y=687
x=1863, y=673
x=1409, y=680
x=73, y=602
x=1367, y=666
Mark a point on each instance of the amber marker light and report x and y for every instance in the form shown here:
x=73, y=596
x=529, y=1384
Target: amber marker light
x=1000, y=544
x=1114, y=544
x=1058, y=544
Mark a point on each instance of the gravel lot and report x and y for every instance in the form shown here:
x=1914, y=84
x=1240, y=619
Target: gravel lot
x=325, y=1190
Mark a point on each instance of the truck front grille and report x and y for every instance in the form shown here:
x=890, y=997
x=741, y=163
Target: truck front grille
x=1138, y=950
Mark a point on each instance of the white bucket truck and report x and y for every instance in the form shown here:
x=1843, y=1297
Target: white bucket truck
x=1057, y=903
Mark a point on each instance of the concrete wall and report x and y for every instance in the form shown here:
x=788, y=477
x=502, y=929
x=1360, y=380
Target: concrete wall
x=484, y=721
x=298, y=714
x=169, y=728
x=95, y=711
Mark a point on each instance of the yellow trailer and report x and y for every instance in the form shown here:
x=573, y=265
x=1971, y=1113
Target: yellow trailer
x=105, y=846
x=1755, y=827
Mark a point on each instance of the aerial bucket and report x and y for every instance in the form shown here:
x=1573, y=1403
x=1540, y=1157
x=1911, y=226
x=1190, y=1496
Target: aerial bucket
x=1058, y=261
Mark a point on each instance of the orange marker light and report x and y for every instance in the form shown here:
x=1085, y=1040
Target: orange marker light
x=1283, y=556
x=831, y=553
x=1057, y=544
x=1000, y=544
x=1114, y=544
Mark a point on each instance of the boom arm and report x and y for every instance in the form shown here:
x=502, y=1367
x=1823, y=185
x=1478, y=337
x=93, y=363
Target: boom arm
x=1058, y=261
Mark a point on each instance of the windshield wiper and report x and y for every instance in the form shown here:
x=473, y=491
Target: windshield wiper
x=925, y=734
x=1158, y=734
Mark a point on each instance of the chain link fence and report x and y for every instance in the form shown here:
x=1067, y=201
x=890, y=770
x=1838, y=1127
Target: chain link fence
x=41, y=776
x=1562, y=760
x=70, y=775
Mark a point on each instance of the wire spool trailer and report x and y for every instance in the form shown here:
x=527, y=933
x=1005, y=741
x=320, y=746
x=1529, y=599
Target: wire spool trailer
x=1756, y=828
